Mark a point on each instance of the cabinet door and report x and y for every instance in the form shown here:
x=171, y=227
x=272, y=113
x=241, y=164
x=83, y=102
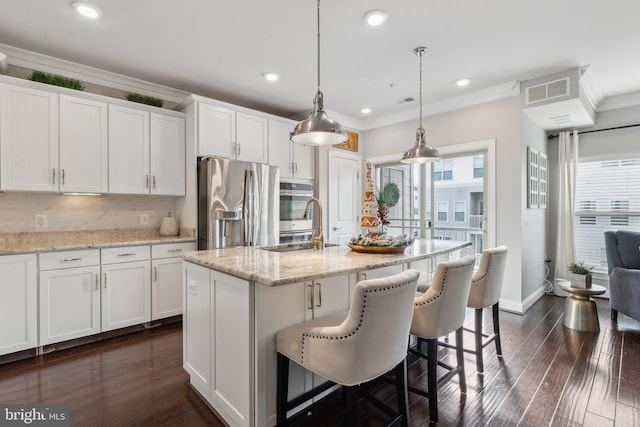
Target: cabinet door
x=126, y=291
x=196, y=327
x=29, y=135
x=166, y=288
x=69, y=304
x=83, y=146
x=167, y=148
x=280, y=147
x=216, y=131
x=251, y=138
x=128, y=150
x=18, y=303
x=304, y=161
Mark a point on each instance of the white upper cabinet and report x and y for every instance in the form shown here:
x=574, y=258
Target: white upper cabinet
x=216, y=131
x=28, y=139
x=83, y=146
x=235, y=135
x=294, y=160
x=146, y=152
x=167, y=155
x=251, y=138
x=128, y=150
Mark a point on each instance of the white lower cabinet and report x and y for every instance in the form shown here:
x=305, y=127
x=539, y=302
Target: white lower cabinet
x=18, y=303
x=126, y=287
x=166, y=279
x=69, y=295
x=217, y=347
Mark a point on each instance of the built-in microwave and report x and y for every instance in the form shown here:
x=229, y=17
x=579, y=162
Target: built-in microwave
x=293, y=201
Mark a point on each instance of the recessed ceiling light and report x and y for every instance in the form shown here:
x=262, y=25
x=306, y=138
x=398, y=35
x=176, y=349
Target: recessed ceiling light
x=375, y=17
x=463, y=82
x=365, y=110
x=272, y=77
x=87, y=10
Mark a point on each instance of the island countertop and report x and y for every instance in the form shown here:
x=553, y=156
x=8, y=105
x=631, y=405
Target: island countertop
x=279, y=268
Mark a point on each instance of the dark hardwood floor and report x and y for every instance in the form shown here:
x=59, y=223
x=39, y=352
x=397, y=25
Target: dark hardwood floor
x=549, y=375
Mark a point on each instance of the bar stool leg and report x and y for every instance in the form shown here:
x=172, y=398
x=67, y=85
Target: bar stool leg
x=496, y=328
x=478, y=339
x=352, y=405
x=401, y=392
x=432, y=378
x=460, y=359
x=282, y=389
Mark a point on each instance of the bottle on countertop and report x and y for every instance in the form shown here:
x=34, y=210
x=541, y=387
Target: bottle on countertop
x=169, y=226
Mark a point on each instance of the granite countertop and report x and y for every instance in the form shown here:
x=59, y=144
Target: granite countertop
x=31, y=242
x=279, y=268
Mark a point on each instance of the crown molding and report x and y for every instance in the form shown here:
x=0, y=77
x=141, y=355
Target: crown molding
x=621, y=101
x=36, y=61
x=494, y=93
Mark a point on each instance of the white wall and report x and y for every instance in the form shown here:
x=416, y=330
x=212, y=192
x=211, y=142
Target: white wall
x=533, y=220
x=65, y=213
x=500, y=120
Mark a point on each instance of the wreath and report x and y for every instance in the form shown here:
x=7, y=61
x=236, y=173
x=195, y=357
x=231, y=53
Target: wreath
x=390, y=194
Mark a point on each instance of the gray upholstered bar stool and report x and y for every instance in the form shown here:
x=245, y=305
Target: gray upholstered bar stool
x=436, y=313
x=354, y=347
x=486, y=286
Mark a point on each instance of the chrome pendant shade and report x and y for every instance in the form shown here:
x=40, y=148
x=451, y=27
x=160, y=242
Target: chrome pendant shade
x=318, y=128
x=420, y=152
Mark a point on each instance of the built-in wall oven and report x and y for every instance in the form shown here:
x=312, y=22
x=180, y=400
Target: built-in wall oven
x=293, y=201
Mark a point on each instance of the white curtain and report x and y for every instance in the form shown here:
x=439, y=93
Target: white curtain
x=568, y=163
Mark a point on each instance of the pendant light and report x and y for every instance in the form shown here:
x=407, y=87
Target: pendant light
x=421, y=152
x=318, y=129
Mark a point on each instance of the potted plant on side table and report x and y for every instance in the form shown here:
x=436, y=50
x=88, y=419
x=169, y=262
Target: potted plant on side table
x=580, y=275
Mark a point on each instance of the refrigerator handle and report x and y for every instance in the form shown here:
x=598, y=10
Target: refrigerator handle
x=246, y=207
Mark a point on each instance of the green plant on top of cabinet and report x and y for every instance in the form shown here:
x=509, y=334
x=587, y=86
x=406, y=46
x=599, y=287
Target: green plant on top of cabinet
x=227, y=133
x=18, y=303
x=294, y=160
x=146, y=152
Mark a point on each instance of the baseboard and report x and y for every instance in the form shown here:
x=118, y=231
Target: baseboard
x=520, y=307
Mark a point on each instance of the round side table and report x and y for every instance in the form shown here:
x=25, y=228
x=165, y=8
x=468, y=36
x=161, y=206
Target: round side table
x=580, y=311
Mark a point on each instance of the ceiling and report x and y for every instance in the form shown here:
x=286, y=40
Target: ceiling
x=221, y=48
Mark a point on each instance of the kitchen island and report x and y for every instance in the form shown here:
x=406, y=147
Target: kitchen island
x=237, y=299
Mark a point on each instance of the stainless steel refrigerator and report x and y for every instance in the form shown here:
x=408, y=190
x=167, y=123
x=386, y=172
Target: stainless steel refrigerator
x=238, y=203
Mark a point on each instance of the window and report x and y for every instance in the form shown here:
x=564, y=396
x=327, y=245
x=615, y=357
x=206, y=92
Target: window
x=443, y=210
x=458, y=214
x=443, y=170
x=586, y=206
x=478, y=167
x=607, y=198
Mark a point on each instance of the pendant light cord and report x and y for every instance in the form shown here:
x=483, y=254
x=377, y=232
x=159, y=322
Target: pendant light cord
x=420, y=52
x=318, y=50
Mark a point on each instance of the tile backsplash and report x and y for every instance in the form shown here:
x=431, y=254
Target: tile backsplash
x=24, y=212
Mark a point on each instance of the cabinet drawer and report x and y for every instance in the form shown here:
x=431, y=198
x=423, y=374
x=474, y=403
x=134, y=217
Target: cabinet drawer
x=68, y=259
x=125, y=254
x=168, y=250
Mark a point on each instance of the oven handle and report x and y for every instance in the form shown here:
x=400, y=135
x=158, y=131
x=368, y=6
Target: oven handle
x=296, y=233
x=296, y=193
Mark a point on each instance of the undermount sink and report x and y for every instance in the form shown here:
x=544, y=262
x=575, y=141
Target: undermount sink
x=290, y=247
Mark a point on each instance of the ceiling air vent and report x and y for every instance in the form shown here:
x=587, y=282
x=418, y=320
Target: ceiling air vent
x=405, y=100
x=547, y=91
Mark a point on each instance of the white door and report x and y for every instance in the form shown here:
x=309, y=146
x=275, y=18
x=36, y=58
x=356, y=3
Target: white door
x=128, y=150
x=83, y=145
x=18, y=303
x=344, y=197
x=126, y=291
x=29, y=135
x=216, y=131
x=69, y=304
x=166, y=288
x=280, y=150
x=251, y=138
x=167, y=155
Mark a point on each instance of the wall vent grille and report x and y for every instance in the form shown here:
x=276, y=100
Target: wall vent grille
x=548, y=91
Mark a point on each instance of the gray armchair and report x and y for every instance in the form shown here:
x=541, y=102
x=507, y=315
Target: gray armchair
x=623, y=258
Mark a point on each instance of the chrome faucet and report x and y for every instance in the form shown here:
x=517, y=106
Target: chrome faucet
x=316, y=237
